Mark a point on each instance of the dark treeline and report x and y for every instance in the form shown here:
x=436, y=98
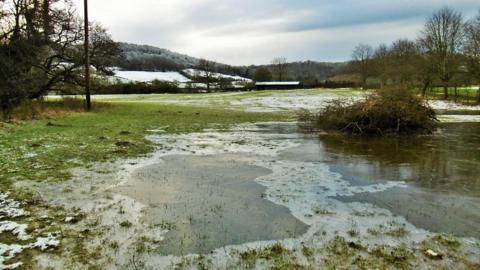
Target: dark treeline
x=153, y=63
x=148, y=58
x=41, y=49
x=446, y=54
x=154, y=87
x=310, y=73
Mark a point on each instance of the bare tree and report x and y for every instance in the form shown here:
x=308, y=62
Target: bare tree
x=362, y=61
x=381, y=64
x=442, y=39
x=208, y=70
x=41, y=49
x=472, y=49
x=280, y=68
x=403, y=54
x=262, y=74
x=424, y=68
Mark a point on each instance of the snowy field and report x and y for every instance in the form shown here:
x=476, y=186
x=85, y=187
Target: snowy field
x=285, y=101
x=195, y=72
x=171, y=76
x=146, y=76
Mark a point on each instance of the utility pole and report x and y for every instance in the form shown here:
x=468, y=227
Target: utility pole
x=87, y=60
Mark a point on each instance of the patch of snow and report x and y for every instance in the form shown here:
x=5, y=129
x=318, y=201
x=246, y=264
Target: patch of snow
x=8, y=252
x=10, y=208
x=148, y=76
x=286, y=102
x=451, y=106
x=30, y=155
x=459, y=118
x=17, y=229
x=195, y=72
x=44, y=243
x=69, y=219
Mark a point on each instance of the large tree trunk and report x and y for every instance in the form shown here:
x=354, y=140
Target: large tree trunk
x=445, y=91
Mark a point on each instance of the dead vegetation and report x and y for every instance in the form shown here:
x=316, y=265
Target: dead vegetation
x=45, y=109
x=384, y=112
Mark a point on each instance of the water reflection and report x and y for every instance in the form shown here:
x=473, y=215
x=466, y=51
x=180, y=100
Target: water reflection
x=446, y=162
x=443, y=173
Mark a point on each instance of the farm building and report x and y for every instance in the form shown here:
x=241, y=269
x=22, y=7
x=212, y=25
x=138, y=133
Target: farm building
x=277, y=85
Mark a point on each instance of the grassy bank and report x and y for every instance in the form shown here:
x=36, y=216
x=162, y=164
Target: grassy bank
x=46, y=149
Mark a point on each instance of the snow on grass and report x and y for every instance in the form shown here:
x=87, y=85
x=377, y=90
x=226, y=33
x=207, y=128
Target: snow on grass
x=8, y=252
x=10, y=209
x=44, y=243
x=148, y=76
x=17, y=229
x=286, y=102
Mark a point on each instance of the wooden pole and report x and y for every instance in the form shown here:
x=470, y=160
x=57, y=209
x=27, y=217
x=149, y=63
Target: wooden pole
x=87, y=59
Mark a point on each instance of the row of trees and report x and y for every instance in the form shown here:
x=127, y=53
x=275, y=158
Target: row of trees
x=41, y=49
x=447, y=53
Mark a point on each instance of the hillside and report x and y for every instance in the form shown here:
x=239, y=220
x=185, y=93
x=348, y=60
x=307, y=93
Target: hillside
x=149, y=58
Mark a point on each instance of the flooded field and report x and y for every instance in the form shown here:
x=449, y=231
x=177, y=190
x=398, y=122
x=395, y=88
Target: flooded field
x=209, y=202
x=263, y=195
x=218, y=195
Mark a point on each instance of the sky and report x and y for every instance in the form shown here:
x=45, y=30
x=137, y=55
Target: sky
x=244, y=32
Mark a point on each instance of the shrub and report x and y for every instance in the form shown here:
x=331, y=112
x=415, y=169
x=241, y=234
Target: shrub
x=388, y=111
x=155, y=87
x=40, y=108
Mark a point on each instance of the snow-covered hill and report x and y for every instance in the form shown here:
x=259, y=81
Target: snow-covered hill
x=148, y=76
x=134, y=51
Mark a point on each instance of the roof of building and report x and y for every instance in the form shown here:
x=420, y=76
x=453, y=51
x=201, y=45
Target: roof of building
x=276, y=83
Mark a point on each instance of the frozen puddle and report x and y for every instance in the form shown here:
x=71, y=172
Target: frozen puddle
x=208, y=202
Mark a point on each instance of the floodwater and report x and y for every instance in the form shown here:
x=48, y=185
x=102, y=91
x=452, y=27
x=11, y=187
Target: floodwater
x=442, y=172
x=211, y=201
x=208, y=202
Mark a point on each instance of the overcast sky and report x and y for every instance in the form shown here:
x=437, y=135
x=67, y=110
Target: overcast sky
x=255, y=31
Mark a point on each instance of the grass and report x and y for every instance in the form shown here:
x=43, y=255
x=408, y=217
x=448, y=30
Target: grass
x=222, y=99
x=279, y=258
x=468, y=95
x=44, y=150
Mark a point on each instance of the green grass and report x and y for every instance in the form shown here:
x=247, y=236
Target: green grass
x=224, y=98
x=46, y=149
x=464, y=94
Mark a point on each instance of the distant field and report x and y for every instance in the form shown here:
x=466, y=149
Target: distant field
x=464, y=94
